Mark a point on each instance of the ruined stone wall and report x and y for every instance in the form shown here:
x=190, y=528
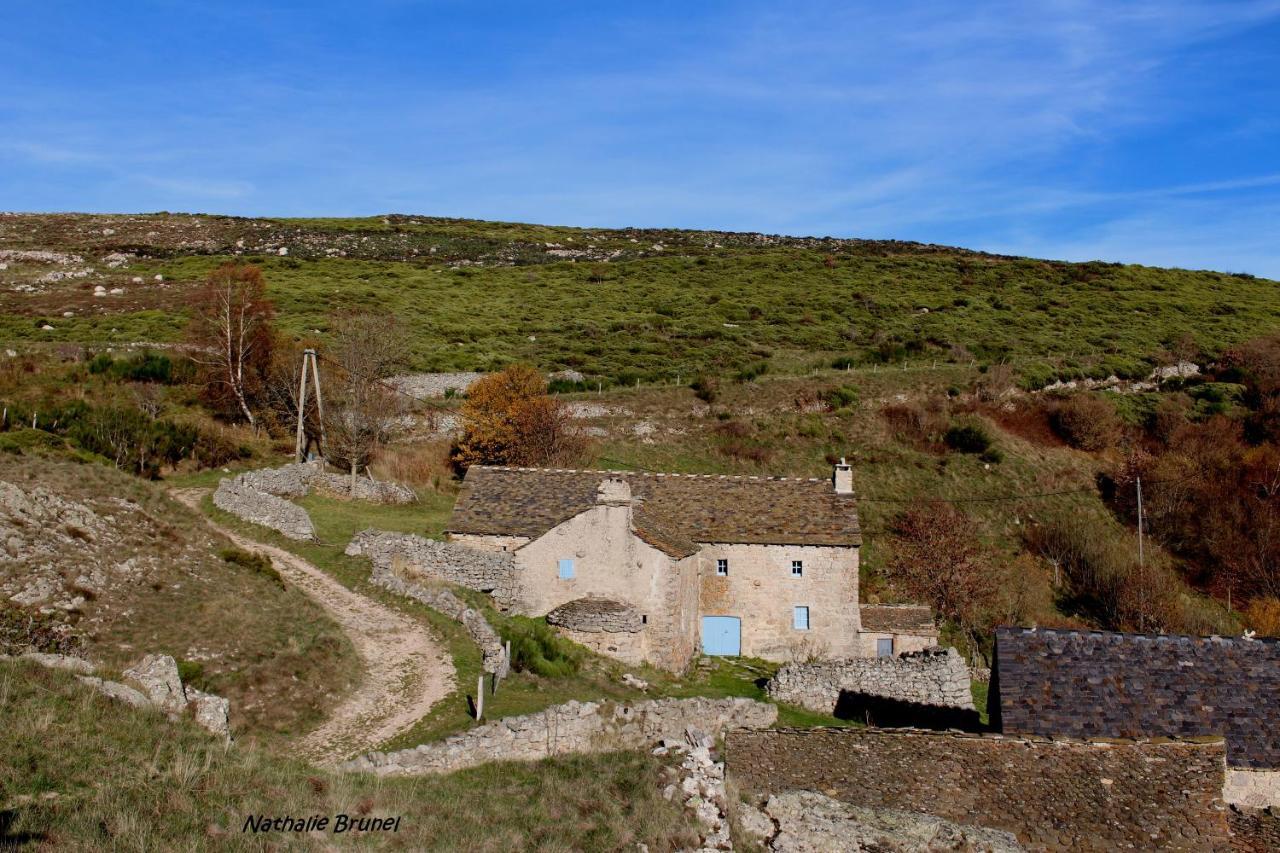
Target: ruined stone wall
x=628, y=647
x=404, y=553
x=481, y=542
x=930, y=677
x=568, y=728
x=1052, y=794
x=241, y=499
x=762, y=592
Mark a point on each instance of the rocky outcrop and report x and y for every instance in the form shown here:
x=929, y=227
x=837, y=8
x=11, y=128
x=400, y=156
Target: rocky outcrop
x=594, y=615
x=238, y=497
x=809, y=822
x=156, y=684
x=381, y=548
x=575, y=727
x=935, y=677
x=491, y=572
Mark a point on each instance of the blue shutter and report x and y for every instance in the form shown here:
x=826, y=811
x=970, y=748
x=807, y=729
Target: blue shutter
x=566, y=570
x=800, y=619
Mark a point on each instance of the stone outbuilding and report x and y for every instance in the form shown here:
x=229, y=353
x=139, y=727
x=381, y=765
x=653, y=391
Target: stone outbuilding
x=1090, y=684
x=729, y=565
x=894, y=629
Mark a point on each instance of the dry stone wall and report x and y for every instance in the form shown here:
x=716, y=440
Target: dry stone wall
x=574, y=727
x=485, y=571
x=934, y=677
x=436, y=596
x=1057, y=795
x=238, y=497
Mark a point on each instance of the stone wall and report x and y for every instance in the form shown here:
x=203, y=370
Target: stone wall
x=619, y=645
x=594, y=615
x=404, y=553
x=386, y=574
x=1253, y=789
x=1051, y=794
x=936, y=677
x=568, y=728
x=238, y=497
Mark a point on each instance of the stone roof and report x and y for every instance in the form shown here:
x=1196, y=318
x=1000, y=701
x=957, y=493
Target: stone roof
x=898, y=619
x=1098, y=684
x=596, y=614
x=673, y=511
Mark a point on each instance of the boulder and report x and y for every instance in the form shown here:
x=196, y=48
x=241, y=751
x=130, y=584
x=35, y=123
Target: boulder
x=158, y=677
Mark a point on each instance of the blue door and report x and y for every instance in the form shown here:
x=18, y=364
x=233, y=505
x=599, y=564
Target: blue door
x=722, y=635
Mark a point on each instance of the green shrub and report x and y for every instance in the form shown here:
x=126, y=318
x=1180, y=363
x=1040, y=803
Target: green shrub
x=968, y=438
x=842, y=397
x=259, y=564
x=537, y=648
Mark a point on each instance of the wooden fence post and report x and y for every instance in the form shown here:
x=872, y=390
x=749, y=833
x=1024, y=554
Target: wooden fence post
x=480, y=698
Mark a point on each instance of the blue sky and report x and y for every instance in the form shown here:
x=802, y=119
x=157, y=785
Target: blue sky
x=1145, y=132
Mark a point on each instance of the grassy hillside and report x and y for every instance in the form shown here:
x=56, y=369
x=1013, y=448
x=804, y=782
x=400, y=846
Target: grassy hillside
x=651, y=305
x=79, y=772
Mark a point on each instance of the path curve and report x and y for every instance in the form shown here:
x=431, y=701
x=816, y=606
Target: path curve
x=406, y=669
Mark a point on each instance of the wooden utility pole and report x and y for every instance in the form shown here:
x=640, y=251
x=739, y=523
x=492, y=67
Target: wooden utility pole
x=300, y=441
x=1140, y=554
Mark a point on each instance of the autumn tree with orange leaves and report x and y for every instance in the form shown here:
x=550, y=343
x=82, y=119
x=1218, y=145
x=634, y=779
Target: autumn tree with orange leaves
x=509, y=419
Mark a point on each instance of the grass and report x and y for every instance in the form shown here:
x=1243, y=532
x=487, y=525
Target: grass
x=81, y=772
x=689, y=308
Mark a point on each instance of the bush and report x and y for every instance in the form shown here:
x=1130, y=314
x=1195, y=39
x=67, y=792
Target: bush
x=753, y=371
x=842, y=397
x=1263, y=616
x=259, y=564
x=537, y=648
x=1087, y=422
x=705, y=388
x=24, y=630
x=968, y=438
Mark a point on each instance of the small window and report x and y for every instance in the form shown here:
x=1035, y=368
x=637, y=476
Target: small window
x=797, y=568
x=566, y=570
x=644, y=619
x=884, y=647
x=722, y=567
x=800, y=619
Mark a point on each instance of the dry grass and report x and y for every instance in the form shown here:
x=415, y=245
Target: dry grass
x=78, y=772
x=279, y=659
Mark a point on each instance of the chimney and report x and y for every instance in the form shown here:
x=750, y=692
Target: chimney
x=842, y=477
x=614, y=491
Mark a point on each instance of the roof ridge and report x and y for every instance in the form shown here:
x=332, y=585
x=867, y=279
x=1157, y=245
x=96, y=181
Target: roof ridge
x=690, y=475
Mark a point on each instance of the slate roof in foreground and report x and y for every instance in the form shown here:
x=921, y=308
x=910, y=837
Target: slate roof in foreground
x=1098, y=684
x=674, y=511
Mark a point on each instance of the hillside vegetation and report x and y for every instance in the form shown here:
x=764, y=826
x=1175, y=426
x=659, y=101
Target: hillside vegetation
x=624, y=305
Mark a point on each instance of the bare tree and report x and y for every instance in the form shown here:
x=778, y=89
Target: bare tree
x=231, y=332
x=360, y=407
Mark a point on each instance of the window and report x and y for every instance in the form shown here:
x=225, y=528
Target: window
x=722, y=567
x=566, y=570
x=800, y=619
x=884, y=647
x=797, y=568
x=644, y=619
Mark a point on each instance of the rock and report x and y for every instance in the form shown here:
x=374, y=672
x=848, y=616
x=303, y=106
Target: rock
x=755, y=824
x=71, y=664
x=211, y=712
x=116, y=690
x=697, y=738
x=158, y=677
x=809, y=822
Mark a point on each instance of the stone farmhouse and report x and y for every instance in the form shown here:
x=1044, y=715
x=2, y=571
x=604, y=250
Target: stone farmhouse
x=1095, y=684
x=656, y=567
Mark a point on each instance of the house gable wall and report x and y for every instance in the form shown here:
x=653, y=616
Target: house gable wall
x=610, y=561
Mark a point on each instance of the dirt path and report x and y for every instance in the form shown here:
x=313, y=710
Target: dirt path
x=406, y=670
